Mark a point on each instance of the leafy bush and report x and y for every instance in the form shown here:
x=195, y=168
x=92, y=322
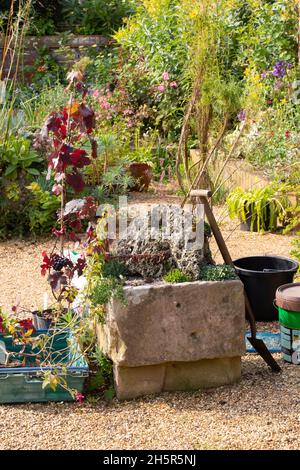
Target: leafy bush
x=155, y=52
x=18, y=158
x=263, y=205
x=218, y=273
x=42, y=208
x=96, y=16
x=176, y=276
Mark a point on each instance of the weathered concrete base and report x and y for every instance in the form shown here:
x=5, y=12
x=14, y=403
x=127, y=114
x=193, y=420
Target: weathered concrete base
x=133, y=382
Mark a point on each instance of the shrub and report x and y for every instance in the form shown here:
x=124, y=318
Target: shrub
x=96, y=16
x=218, y=273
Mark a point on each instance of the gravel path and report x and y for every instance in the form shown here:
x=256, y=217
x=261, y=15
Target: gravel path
x=261, y=412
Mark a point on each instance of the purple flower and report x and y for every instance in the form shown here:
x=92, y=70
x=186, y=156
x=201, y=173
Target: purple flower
x=280, y=68
x=242, y=115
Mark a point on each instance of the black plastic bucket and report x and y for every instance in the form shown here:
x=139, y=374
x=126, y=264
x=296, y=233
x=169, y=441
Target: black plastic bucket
x=261, y=276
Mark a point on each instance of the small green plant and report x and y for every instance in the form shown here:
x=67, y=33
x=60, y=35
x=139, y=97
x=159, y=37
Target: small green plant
x=116, y=181
x=176, y=276
x=106, y=289
x=114, y=268
x=101, y=381
x=219, y=272
x=262, y=206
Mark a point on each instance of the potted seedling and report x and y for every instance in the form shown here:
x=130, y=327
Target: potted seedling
x=258, y=209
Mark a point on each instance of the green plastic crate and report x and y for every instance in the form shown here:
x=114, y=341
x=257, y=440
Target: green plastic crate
x=24, y=384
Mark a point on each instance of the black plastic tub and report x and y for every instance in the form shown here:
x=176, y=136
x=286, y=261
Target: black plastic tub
x=261, y=276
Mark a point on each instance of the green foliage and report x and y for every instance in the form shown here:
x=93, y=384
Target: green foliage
x=102, y=380
x=155, y=41
x=45, y=70
x=103, y=69
x=265, y=205
x=42, y=209
x=105, y=289
x=116, y=181
x=82, y=17
x=104, y=363
x=41, y=25
x=35, y=102
x=114, y=268
x=96, y=16
x=264, y=31
x=18, y=158
x=219, y=272
x=176, y=276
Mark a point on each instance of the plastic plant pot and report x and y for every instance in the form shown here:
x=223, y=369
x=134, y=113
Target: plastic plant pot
x=261, y=276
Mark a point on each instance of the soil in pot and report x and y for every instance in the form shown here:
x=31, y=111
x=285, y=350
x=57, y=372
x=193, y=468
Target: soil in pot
x=142, y=174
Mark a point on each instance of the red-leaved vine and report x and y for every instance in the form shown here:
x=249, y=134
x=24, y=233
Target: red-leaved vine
x=67, y=133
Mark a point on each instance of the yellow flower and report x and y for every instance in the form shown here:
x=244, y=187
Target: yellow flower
x=247, y=72
x=253, y=96
x=193, y=14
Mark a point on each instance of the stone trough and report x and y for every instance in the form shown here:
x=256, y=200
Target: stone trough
x=171, y=337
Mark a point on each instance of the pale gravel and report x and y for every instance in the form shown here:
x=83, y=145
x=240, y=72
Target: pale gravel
x=260, y=412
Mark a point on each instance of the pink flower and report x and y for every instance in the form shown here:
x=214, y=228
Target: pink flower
x=161, y=88
x=173, y=84
x=165, y=76
x=96, y=94
x=79, y=397
x=57, y=189
x=130, y=124
x=104, y=103
x=127, y=112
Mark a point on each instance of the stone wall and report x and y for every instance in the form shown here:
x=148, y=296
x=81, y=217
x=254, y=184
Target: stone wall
x=76, y=45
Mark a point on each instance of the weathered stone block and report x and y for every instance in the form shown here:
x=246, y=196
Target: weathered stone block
x=171, y=323
x=132, y=382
